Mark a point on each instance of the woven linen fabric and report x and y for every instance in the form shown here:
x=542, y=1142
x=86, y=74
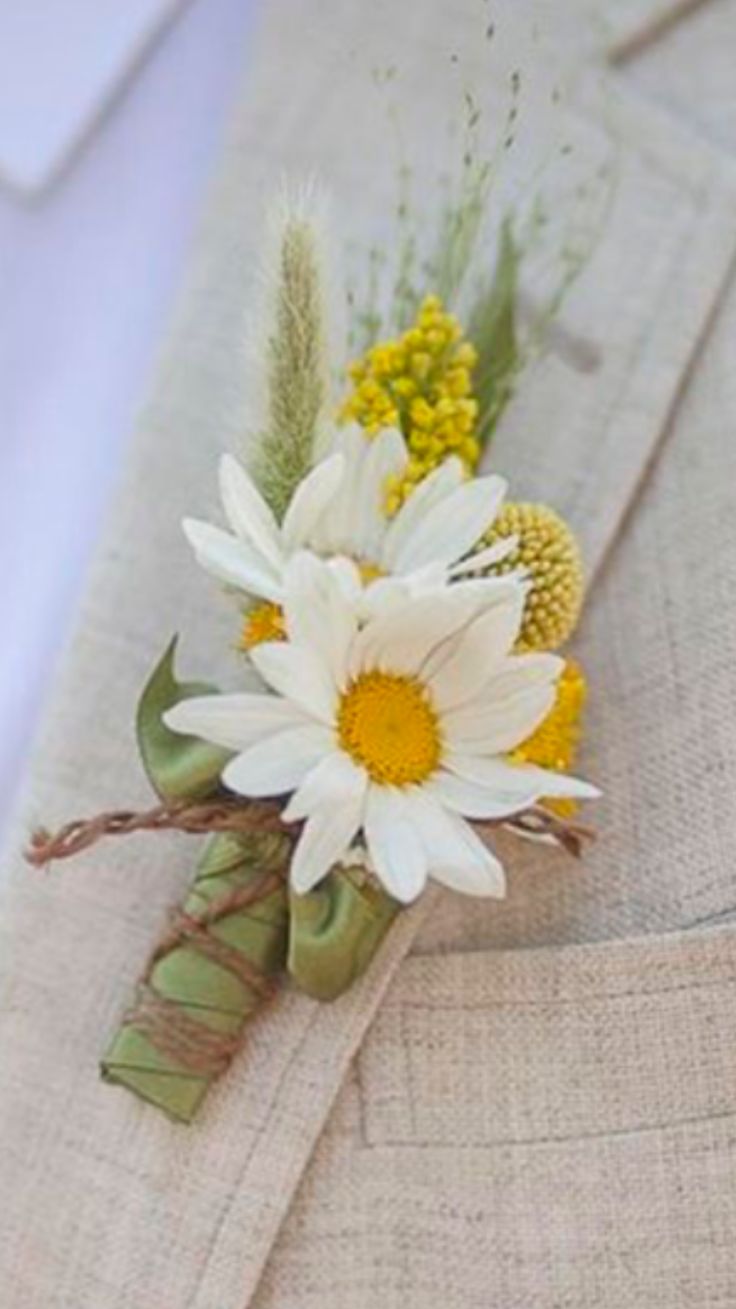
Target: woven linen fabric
x=692, y=71
x=530, y=1129
x=557, y=1125
x=106, y=1205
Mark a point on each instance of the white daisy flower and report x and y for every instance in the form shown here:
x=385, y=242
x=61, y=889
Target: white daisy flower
x=338, y=511
x=397, y=729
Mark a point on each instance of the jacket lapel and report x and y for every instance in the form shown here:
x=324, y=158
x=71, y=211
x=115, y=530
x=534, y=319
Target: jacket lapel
x=591, y=416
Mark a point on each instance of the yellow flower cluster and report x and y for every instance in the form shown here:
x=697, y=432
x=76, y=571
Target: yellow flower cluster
x=555, y=743
x=421, y=383
x=549, y=553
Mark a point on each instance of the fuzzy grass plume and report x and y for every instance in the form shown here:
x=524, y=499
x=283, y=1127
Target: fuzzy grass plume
x=298, y=400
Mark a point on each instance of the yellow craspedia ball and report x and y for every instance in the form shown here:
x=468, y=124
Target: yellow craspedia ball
x=550, y=555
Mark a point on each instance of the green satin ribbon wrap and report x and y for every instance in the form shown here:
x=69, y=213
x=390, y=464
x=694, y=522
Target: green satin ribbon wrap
x=335, y=931
x=325, y=939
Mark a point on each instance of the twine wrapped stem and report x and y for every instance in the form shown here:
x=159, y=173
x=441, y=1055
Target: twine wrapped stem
x=215, y=967
x=219, y=960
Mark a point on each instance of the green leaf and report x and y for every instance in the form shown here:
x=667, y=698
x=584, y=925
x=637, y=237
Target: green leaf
x=178, y=767
x=336, y=930
x=492, y=329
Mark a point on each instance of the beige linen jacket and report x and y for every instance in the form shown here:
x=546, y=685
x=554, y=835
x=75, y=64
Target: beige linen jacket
x=527, y=1105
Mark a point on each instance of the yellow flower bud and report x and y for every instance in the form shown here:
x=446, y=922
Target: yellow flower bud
x=414, y=339
x=420, y=413
x=549, y=553
x=421, y=363
x=435, y=340
x=458, y=382
x=466, y=355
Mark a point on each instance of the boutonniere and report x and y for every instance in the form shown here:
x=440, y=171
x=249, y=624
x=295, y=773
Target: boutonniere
x=400, y=619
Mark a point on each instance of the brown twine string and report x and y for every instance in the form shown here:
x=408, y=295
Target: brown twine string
x=219, y=952
x=186, y=929
x=240, y=897
x=538, y=821
x=196, y=819
x=249, y=817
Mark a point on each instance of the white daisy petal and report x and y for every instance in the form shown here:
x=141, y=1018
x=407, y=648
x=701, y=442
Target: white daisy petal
x=433, y=490
x=333, y=780
x=457, y=674
x=279, y=763
x=453, y=526
x=456, y=856
x=521, y=672
x=423, y=581
x=499, y=724
x=386, y=456
x=247, y=511
x=402, y=639
x=327, y=836
x=299, y=674
x=319, y=613
x=394, y=845
x=522, y=784
x=492, y=554
x=479, y=871
x=347, y=575
x=232, y=561
x=475, y=801
x=550, y=784
x=335, y=534
x=384, y=596
x=310, y=501
x=233, y=721
x=488, y=590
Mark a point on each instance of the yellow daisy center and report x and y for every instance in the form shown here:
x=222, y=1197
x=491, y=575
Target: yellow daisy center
x=388, y=724
x=265, y=622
